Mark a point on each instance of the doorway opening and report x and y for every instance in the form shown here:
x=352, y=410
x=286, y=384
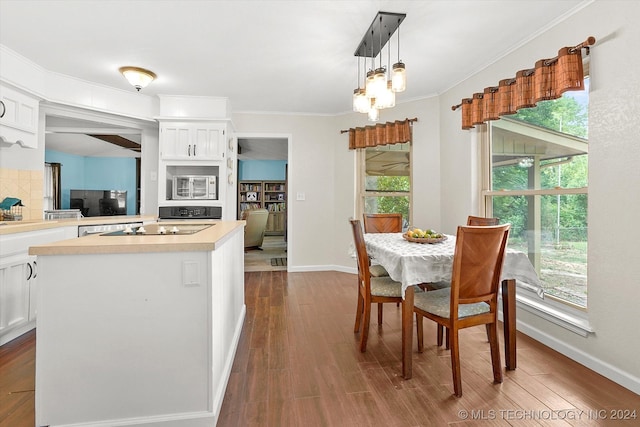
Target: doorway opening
x=263, y=183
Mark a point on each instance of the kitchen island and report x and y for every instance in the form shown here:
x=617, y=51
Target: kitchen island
x=138, y=329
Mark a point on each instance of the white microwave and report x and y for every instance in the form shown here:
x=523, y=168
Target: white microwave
x=194, y=187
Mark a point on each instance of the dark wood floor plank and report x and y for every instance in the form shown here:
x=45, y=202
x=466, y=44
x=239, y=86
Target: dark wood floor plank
x=298, y=364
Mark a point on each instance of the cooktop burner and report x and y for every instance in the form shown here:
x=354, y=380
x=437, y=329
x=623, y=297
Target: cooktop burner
x=159, y=230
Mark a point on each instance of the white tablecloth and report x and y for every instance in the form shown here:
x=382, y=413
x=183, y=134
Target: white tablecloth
x=415, y=263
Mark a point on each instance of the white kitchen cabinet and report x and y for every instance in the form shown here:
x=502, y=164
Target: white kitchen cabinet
x=18, y=280
x=192, y=141
x=14, y=295
x=19, y=123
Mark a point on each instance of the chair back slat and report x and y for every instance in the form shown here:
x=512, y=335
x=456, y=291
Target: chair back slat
x=477, y=264
x=482, y=221
x=383, y=223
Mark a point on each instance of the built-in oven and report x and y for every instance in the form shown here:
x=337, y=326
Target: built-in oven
x=193, y=187
x=189, y=212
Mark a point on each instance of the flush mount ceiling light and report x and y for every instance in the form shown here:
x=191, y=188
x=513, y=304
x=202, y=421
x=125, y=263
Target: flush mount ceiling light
x=381, y=83
x=138, y=77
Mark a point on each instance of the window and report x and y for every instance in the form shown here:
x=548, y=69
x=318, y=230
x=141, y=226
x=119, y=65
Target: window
x=385, y=180
x=537, y=181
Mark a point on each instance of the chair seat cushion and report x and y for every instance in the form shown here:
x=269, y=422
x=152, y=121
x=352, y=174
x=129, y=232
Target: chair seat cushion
x=438, y=302
x=376, y=270
x=385, y=287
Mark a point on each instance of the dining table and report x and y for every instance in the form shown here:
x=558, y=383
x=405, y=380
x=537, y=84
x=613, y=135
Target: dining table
x=412, y=263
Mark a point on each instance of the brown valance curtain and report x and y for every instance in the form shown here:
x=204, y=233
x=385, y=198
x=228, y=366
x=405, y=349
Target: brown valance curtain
x=380, y=134
x=548, y=80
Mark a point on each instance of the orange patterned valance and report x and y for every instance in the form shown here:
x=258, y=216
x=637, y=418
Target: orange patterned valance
x=380, y=134
x=548, y=80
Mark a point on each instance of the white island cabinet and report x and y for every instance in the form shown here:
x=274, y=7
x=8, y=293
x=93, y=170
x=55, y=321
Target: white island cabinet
x=138, y=329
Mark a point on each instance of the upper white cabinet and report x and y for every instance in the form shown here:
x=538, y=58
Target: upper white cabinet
x=19, y=117
x=192, y=141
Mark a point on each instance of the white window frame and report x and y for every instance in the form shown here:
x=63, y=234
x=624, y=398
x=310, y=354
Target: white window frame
x=566, y=315
x=362, y=193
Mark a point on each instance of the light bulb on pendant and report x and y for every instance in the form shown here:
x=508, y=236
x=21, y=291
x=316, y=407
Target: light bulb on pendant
x=373, y=113
x=361, y=103
x=379, y=82
x=369, y=85
x=387, y=99
x=360, y=100
x=399, y=79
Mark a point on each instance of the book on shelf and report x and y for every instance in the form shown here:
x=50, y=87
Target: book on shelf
x=250, y=206
x=276, y=207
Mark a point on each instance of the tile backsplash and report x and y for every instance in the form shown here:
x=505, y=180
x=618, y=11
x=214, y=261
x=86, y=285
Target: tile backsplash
x=26, y=185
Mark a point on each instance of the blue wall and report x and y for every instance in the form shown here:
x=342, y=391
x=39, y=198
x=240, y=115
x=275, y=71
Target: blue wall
x=261, y=170
x=95, y=173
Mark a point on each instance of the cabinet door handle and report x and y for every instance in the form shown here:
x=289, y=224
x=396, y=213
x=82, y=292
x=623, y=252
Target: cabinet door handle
x=35, y=269
x=30, y=271
x=189, y=150
x=194, y=150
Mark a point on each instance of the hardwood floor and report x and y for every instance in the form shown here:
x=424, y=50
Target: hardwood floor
x=17, y=381
x=298, y=364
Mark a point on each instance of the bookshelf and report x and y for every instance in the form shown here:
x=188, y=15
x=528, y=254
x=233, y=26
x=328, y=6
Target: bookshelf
x=270, y=195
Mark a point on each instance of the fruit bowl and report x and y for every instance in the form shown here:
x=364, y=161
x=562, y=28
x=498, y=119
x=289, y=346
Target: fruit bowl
x=425, y=237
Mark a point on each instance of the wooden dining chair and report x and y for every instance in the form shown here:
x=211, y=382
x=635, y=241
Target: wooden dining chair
x=479, y=221
x=472, y=298
x=383, y=223
x=482, y=221
x=371, y=289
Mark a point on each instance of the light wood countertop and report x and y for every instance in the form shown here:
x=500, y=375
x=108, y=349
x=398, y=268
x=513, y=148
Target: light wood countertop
x=208, y=239
x=11, y=227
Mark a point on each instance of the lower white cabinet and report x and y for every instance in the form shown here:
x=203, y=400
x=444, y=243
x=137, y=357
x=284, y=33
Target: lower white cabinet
x=17, y=297
x=18, y=280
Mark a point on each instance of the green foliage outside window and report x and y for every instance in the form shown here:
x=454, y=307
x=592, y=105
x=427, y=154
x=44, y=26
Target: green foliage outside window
x=388, y=204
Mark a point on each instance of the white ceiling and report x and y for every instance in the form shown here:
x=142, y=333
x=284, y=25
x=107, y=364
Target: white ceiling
x=269, y=56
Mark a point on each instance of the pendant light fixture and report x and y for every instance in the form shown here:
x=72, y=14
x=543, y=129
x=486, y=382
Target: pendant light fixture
x=370, y=86
x=361, y=103
x=387, y=98
x=381, y=83
x=138, y=77
x=399, y=78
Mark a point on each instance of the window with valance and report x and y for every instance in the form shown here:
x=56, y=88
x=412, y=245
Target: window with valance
x=548, y=80
x=380, y=134
x=383, y=178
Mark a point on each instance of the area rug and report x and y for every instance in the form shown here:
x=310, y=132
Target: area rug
x=278, y=262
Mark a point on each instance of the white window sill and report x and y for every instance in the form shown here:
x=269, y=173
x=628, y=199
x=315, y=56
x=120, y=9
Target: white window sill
x=560, y=314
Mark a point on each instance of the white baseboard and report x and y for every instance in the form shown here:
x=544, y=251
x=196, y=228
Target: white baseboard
x=609, y=371
x=304, y=268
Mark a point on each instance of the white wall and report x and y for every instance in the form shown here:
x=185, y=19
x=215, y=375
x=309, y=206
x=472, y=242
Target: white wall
x=614, y=179
x=311, y=170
